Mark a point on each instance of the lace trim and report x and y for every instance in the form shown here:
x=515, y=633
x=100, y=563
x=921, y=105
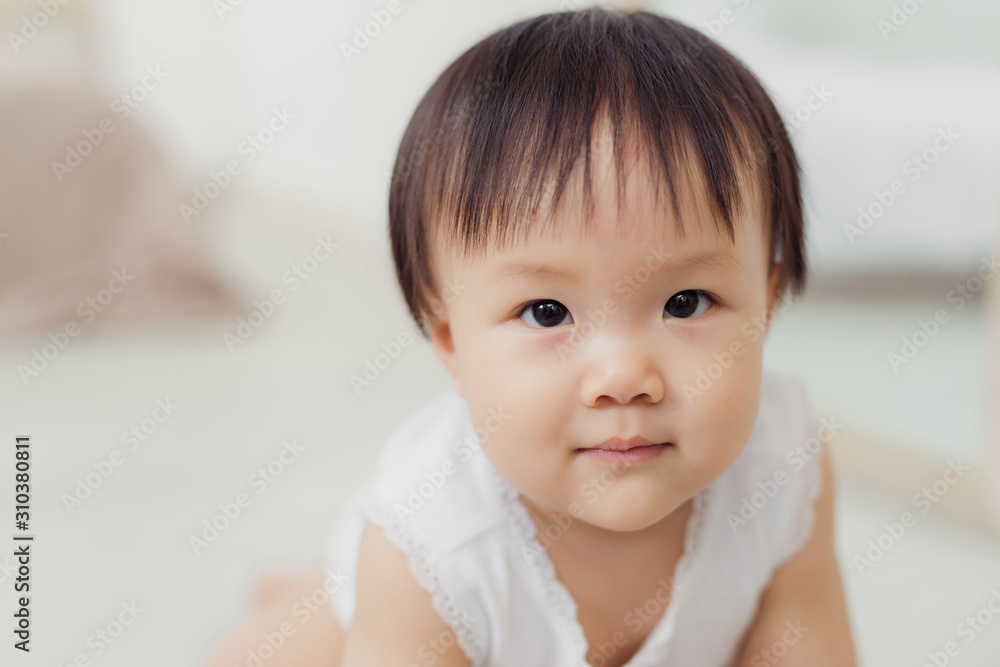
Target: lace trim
x=695, y=530
x=558, y=596
x=434, y=580
x=805, y=513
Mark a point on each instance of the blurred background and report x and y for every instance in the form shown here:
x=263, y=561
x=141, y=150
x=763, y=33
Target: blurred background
x=195, y=273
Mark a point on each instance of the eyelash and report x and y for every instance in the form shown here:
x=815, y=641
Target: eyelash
x=714, y=302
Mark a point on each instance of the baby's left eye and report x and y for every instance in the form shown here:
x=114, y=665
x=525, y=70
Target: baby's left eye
x=688, y=304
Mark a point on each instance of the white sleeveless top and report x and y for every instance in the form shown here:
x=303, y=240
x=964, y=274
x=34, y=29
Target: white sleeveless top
x=472, y=545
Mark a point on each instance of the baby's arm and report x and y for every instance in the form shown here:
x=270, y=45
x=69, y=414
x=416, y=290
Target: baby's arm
x=803, y=609
x=394, y=622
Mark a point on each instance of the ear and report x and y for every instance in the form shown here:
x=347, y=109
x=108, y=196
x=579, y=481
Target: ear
x=444, y=346
x=773, y=292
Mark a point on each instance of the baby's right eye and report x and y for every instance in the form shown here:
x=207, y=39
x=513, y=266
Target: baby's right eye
x=546, y=312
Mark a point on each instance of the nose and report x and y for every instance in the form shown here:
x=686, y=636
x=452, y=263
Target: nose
x=623, y=374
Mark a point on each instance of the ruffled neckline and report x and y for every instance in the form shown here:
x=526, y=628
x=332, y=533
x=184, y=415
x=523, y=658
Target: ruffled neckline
x=558, y=598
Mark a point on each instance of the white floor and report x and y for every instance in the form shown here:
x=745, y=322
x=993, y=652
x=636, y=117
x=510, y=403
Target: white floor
x=130, y=540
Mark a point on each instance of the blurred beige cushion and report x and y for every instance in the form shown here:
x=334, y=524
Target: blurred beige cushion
x=69, y=220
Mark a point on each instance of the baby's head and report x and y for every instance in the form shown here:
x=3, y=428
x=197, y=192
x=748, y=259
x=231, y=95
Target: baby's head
x=593, y=215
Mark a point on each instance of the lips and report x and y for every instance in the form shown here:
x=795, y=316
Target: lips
x=618, y=450
x=620, y=445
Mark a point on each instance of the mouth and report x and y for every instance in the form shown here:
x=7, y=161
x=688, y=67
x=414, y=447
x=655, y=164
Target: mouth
x=631, y=451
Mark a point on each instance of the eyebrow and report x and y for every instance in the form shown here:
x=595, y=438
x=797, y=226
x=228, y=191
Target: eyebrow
x=713, y=259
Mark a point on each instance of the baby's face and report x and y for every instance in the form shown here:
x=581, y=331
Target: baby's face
x=634, y=332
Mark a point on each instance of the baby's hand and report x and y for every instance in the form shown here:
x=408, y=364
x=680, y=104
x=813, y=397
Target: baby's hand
x=278, y=594
x=276, y=583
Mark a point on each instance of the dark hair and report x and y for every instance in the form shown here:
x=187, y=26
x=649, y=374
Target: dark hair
x=517, y=109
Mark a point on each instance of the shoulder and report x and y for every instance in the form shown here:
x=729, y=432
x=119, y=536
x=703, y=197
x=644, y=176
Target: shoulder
x=805, y=596
x=433, y=481
x=773, y=486
x=395, y=620
x=433, y=512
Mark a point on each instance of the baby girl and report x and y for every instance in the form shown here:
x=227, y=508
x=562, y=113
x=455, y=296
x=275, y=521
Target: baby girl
x=593, y=215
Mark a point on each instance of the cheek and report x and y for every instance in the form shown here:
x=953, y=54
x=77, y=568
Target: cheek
x=720, y=395
x=524, y=373
x=717, y=352
x=501, y=353
x=530, y=444
x=522, y=376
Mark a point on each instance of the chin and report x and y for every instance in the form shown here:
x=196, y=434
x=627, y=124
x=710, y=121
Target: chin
x=626, y=515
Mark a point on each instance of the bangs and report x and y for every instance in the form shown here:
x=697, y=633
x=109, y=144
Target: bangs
x=499, y=135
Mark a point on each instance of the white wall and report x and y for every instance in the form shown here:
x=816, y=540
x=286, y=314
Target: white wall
x=226, y=75
x=227, y=71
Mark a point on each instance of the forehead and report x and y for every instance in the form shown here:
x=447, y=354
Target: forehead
x=631, y=207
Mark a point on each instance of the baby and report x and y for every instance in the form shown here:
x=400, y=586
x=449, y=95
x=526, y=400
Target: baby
x=593, y=215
